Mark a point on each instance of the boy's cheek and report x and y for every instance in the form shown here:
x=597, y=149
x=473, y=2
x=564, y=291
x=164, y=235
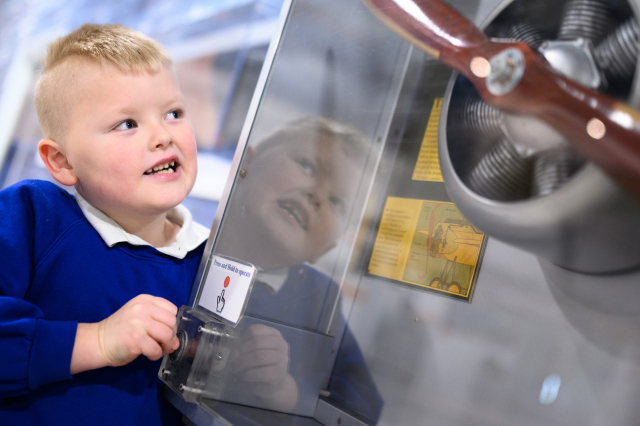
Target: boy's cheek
x=187, y=140
x=327, y=232
x=190, y=161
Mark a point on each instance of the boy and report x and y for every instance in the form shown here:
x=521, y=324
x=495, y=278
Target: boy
x=94, y=281
x=291, y=207
x=297, y=194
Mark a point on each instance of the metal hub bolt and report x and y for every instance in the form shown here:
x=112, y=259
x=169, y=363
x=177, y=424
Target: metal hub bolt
x=507, y=68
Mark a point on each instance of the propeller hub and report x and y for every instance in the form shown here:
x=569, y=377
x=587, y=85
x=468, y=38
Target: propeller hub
x=507, y=68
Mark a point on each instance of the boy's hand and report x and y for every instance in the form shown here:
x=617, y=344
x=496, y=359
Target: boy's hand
x=261, y=358
x=146, y=325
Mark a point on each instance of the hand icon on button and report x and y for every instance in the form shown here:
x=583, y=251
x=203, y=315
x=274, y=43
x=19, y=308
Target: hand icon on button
x=219, y=307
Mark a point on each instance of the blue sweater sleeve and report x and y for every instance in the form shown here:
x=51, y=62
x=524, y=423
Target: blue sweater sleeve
x=34, y=351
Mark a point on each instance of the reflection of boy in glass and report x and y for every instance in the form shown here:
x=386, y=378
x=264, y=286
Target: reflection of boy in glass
x=291, y=207
x=296, y=194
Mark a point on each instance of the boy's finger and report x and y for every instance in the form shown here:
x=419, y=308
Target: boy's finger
x=261, y=374
x=267, y=342
x=257, y=330
x=263, y=358
x=165, y=304
x=150, y=348
x=163, y=316
x=163, y=335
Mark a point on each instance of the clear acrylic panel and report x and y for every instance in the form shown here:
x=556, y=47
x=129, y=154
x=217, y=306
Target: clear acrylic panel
x=309, y=159
x=534, y=344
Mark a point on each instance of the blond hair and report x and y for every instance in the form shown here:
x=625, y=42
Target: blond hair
x=110, y=46
x=352, y=141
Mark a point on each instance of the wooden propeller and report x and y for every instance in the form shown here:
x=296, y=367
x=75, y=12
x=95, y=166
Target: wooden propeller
x=516, y=78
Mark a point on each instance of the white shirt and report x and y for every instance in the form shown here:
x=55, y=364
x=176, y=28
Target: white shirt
x=274, y=279
x=190, y=236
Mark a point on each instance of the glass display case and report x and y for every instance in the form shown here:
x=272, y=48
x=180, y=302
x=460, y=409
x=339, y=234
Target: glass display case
x=375, y=300
x=304, y=172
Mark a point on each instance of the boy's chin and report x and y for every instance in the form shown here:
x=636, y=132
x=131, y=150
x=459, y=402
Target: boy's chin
x=161, y=206
x=169, y=199
x=285, y=256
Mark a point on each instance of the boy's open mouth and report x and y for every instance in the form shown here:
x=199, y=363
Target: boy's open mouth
x=297, y=211
x=169, y=167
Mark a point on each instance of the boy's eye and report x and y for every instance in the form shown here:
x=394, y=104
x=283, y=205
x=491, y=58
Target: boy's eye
x=307, y=166
x=175, y=114
x=126, y=125
x=337, y=203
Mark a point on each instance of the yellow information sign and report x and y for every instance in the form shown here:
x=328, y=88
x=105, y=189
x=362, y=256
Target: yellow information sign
x=394, y=239
x=429, y=244
x=428, y=167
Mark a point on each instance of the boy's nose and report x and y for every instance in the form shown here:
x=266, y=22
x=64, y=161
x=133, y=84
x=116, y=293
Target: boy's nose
x=161, y=137
x=318, y=195
x=314, y=199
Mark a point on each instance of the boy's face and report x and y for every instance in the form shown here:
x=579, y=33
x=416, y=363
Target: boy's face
x=298, y=196
x=121, y=127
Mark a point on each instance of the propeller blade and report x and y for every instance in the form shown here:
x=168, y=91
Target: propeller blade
x=515, y=78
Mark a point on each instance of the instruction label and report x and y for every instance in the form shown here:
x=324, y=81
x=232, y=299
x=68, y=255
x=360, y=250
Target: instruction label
x=428, y=166
x=393, y=242
x=227, y=288
x=429, y=244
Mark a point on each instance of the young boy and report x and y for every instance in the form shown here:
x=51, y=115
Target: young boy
x=93, y=282
x=292, y=205
x=291, y=208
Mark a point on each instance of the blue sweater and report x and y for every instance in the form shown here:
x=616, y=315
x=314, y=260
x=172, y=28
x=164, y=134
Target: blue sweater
x=57, y=271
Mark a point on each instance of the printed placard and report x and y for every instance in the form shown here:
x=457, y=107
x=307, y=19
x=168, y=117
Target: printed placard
x=428, y=166
x=428, y=244
x=227, y=288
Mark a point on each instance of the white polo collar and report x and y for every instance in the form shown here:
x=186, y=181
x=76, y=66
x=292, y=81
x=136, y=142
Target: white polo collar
x=274, y=278
x=190, y=236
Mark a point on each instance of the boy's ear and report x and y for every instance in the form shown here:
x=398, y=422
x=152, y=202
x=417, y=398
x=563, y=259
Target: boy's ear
x=56, y=162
